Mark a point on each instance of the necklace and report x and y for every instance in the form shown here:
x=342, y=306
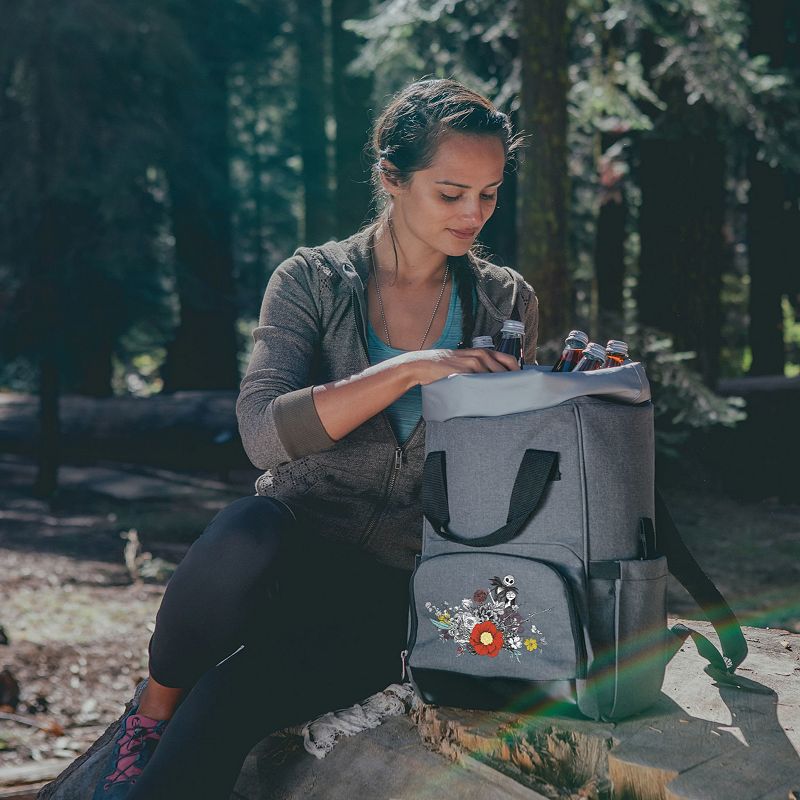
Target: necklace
x=435, y=308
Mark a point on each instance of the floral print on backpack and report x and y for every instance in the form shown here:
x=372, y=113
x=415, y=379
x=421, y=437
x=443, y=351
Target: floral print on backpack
x=488, y=622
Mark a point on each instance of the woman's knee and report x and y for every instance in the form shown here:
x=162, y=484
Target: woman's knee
x=248, y=530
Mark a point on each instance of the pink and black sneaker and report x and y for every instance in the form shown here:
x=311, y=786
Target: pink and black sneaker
x=134, y=745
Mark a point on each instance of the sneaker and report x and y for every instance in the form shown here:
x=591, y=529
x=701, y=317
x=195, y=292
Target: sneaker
x=79, y=779
x=134, y=745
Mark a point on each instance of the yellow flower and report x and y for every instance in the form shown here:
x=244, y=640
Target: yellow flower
x=445, y=617
x=531, y=644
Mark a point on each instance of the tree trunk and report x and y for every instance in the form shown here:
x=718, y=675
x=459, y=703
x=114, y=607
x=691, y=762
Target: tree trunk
x=49, y=241
x=609, y=246
x=544, y=182
x=203, y=353
x=49, y=426
x=312, y=114
x=351, y=102
x=682, y=251
x=767, y=217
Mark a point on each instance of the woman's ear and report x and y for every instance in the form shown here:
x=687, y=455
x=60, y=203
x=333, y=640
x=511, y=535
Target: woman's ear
x=386, y=171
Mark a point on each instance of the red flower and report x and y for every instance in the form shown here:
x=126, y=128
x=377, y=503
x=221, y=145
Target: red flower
x=486, y=639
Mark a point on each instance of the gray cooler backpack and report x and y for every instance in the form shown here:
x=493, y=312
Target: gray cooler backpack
x=542, y=579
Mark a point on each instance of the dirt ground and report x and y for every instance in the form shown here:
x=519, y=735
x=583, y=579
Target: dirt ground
x=78, y=624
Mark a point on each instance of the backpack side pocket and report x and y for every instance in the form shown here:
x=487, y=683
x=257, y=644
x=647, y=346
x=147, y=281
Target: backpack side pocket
x=629, y=629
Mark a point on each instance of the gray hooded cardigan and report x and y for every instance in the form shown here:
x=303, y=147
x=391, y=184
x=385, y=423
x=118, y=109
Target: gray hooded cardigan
x=365, y=488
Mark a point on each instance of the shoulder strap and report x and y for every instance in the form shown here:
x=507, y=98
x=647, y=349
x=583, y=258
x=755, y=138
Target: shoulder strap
x=535, y=470
x=685, y=568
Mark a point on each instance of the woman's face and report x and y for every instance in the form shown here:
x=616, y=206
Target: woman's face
x=443, y=208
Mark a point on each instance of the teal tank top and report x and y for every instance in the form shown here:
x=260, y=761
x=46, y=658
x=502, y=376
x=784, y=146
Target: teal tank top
x=405, y=412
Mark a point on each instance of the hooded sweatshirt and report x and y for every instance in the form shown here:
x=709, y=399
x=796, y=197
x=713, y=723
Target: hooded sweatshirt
x=363, y=489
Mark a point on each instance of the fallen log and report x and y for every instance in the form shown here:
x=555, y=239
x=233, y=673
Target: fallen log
x=180, y=430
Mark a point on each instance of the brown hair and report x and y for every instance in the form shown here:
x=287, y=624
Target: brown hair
x=408, y=132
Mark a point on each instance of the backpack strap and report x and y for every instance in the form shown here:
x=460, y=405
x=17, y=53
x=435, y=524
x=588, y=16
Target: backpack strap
x=685, y=568
x=535, y=470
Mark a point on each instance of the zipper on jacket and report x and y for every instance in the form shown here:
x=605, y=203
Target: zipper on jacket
x=397, y=466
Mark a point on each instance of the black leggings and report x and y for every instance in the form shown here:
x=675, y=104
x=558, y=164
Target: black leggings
x=322, y=626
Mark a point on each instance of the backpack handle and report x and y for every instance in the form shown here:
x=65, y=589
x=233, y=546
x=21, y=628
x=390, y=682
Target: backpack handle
x=535, y=470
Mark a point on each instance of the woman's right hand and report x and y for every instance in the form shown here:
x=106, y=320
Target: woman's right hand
x=427, y=366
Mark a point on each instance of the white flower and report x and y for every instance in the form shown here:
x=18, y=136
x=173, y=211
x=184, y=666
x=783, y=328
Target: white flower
x=534, y=629
x=515, y=642
x=466, y=603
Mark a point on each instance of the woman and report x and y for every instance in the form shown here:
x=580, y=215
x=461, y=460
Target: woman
x=311, y=574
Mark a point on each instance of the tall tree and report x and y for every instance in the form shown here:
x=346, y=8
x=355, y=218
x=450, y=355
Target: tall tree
x=609, y=244
x=682, y=252
x=352, y=95
x=202, y=353
x=311, y=36
x=76, y=221
x=768, y=212
x=543, y=181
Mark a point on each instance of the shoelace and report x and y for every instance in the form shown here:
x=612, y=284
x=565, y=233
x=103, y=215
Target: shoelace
x=131, y=744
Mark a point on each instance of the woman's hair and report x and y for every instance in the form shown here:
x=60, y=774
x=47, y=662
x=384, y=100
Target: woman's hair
x=407, y=134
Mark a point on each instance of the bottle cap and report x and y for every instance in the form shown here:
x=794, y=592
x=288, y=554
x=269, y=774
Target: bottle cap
x=617, y=346
x=513, y=326
x=482, y=341
x=595, y=351
x=577, y=336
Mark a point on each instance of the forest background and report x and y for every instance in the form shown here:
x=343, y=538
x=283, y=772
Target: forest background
x=160, y=158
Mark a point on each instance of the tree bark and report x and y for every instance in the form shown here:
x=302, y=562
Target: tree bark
x=203, y=353
x=312, y=114
x=49, y=240
x=682, y=251
x=543, y=181
x=351, y=102
x=609, y=247
x=767, y=216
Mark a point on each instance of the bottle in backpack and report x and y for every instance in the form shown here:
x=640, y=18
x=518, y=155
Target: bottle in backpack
x=511, y=340
x=594, y=357
x=616, y=353
x=573, y=350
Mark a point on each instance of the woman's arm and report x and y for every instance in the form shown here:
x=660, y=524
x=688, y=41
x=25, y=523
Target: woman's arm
x=281, y=417
x=345, y=404
x=275, y=410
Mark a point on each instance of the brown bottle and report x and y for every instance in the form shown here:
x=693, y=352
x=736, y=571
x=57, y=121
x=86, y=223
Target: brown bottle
x=594, y=357
x=572, y=352
x=616, y=353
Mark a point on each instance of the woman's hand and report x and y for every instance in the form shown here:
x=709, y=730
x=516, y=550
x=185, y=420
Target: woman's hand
x=427, y=366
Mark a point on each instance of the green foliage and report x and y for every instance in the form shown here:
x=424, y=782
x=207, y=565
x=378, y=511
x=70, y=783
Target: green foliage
x=682, y=402
x=703, y=45
x=474, y=41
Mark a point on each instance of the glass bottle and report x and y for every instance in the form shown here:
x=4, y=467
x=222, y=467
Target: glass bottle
x=483, y=342
x=616, y=353
x=511, y=339
x=594, y=356
x=573, y=350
